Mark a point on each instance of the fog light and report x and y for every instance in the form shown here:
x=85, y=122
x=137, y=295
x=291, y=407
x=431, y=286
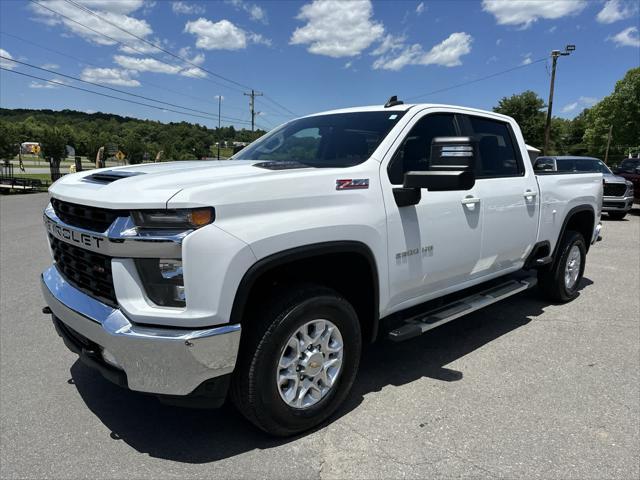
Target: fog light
x=108, y=357
x=163, y=280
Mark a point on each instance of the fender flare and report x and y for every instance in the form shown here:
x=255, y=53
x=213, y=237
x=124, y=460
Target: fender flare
x=567, y=218
x=278, y=259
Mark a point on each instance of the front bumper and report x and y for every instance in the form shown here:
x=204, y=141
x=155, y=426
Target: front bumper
x=166, y=361
x=617, y=204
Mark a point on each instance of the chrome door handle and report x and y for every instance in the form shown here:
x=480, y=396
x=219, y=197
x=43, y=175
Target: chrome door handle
x=530, y=193
x=470, y=200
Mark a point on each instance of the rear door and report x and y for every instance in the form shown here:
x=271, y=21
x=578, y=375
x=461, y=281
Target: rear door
x=508, y=194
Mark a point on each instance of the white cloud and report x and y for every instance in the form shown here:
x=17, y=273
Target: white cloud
x=569, y=107
x=498, y=42
x=36, y=84
x=193, y=72
x=615, y=10
x=336, y=28
x=525, y=12
x=145, y=64
x=582, y=102
x=256, y=12
x=447, y=53
x=6, y=63
x=390, y=43
x=50, y=66
x=116, y=12
x=110, y=76
x=222, y=35
x=420, y=8
x=185, y=8
x=527, y=59
x=627, y=38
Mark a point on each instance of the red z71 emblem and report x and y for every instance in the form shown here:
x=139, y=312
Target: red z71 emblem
x=352, y=184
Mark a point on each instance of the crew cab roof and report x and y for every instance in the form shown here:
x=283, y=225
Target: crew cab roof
x=407, y=106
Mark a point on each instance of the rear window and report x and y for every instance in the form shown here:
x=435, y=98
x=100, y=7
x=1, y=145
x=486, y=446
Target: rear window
x=564, y=165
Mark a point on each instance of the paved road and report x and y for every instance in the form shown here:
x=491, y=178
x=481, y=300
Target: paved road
x=524, y=389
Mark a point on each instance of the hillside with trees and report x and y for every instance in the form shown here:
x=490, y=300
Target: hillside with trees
x=87, y=132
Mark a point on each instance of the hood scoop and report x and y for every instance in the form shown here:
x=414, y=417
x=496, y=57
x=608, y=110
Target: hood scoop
x=110, y=176
x=283, y=165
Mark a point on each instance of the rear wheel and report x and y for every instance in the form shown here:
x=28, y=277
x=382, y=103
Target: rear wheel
x=299, y=361
x=617, y=215
x=561, y=280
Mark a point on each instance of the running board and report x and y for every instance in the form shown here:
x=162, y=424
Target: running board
x=424, y=322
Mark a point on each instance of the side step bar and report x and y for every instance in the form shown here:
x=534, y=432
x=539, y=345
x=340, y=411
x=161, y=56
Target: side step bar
x=424, y=322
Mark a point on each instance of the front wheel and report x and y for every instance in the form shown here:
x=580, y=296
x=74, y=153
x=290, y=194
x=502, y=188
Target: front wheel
x=560, y=282
x=299, y=361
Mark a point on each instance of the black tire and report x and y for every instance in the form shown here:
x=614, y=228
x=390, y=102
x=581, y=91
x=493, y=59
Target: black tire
x=551, y=280
x=254, y=390
x=617, y=215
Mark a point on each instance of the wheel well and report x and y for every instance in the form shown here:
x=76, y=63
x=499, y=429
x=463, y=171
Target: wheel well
x=582, y=222
x=351, y=273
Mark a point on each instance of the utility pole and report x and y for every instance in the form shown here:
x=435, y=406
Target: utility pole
x=253, y=94
x=547, y=128
x=606, y=153
x=219, y=125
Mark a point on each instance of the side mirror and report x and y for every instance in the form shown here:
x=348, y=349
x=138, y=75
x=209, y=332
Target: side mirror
x=451, y=166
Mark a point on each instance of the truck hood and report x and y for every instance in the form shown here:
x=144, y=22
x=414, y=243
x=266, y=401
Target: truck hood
x=152, y=185
x=611, y=178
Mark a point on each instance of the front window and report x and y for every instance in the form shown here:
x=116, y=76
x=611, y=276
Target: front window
x=334, y=140
x=591, y=165
x=630, y=166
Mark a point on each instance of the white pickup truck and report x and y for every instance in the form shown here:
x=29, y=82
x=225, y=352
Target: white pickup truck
x=262, y=276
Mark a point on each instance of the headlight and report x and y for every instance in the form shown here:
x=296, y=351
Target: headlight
x=169, y=219
x=163, y=281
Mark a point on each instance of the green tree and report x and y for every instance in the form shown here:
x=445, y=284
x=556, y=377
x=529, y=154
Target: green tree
x=619, y=111
x=528, y=109
x=8, y=141
x=54, y=143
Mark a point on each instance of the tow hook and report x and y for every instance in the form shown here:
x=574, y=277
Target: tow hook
x=46, y=310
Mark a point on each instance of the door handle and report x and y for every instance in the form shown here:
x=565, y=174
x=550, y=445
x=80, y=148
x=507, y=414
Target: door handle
x=530, y=193
x=470, y=200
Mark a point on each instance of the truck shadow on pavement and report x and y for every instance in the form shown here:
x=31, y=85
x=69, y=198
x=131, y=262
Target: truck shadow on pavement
x=201, y=436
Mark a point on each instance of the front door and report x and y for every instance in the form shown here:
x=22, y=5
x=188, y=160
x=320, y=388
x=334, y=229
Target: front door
x=433, y=245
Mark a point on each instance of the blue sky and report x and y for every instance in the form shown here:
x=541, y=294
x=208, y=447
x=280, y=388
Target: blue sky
x=310, y=56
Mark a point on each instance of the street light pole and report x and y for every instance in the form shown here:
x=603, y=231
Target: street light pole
x=219, y=126
x=547, y=128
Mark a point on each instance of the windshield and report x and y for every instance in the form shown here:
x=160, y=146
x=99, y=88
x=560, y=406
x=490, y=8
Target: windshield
x=591, y=165
x=629, y=166
x=335, y=140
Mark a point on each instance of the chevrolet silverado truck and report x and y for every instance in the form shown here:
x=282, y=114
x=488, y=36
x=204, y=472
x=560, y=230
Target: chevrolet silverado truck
x=261, y=278
x=618, y=192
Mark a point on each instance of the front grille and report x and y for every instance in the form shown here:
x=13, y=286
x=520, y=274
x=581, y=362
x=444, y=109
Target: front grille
x=87, y=271
x=614, y=189
x=83, y=216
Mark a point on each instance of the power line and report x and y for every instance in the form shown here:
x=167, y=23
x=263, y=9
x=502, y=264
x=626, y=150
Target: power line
x=107, y=95
x=268, y=98
x=128, y=46
x=477, y=79
x=114, y=89
x=86, y=62
x=168, y=52
x=158, y=47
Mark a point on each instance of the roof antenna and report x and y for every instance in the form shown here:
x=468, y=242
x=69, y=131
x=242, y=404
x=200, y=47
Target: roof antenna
x=393, y=101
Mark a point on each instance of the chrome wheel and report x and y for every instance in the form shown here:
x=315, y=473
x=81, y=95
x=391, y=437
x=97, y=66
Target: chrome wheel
x=310, y=363
x=572, y=267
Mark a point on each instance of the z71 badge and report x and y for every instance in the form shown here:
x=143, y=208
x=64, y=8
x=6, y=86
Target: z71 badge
x=352, y=184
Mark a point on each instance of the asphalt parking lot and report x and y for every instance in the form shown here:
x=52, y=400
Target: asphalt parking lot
x=522, y=389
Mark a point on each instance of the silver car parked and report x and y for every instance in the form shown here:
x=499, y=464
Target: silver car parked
x=618, y=192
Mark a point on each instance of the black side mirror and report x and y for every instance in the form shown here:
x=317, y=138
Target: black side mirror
x=543, y=165
x=451, y=166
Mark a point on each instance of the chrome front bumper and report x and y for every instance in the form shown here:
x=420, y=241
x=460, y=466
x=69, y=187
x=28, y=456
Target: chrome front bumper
x=167, y=361
x=617, y=204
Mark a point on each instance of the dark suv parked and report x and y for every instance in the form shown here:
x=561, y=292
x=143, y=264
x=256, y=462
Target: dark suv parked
x=630, y=169
x=618, y=192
